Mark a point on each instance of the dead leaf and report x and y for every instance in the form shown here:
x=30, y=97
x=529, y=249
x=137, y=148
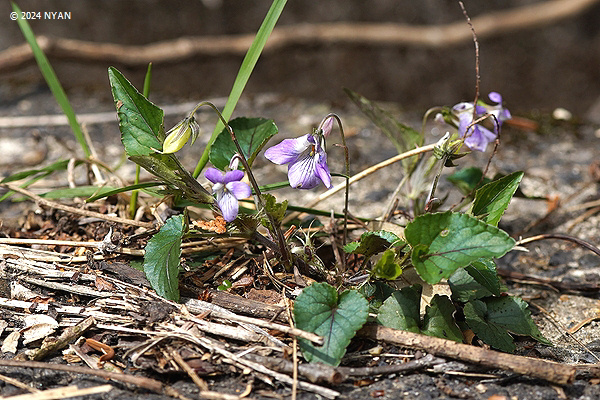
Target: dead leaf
x=103, y=285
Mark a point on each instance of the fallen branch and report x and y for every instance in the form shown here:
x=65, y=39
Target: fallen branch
x=547, y=370
x=488, y=25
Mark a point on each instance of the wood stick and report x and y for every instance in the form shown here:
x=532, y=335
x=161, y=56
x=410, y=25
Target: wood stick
x=542, y=369
x=492, y=24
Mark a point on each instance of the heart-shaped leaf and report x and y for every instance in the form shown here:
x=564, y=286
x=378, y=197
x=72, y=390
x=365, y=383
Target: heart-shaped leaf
x=444, y=242
x=140, y=121
x=161, y=260
x=251, y=133
x=439, y=319
x=320, y=310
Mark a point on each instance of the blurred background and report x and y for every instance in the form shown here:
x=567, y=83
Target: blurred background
x=536, y=65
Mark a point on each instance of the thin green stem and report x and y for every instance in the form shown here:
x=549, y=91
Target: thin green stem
x=347, y=177
x=275, y=228
x=243, y=75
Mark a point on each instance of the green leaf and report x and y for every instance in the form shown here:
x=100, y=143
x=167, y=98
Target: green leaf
x=484, y=272
x=275, y=209
x=373, y=242
x=108, y=193
x=494, y=317
x=439, y=319
x=478, y=280
x=244, y=73
x=401, y=310
x=492, y=199
x=56, y=166
x=465, y=288
x=402, y=136
x=443, y=242
x=251, y=133
x=161, y=260
x=140, y=121
x=320, y=310
x=387, y=267
x=467, y=179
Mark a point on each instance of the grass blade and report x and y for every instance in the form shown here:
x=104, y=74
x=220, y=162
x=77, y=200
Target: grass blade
x=52, y=80
x=243, y=75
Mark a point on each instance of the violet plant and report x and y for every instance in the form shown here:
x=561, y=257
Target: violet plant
x=430, y=247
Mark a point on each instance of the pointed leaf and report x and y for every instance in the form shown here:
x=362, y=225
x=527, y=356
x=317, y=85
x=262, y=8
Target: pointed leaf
x=465, y=288
x=401, y=309
x=485, y=273
x=161, y=261
x=476, y=318
x=251, y=133
x=492, y=199
x=439, y=319
x=320, y=310
x=444, y=242
x=140, y=121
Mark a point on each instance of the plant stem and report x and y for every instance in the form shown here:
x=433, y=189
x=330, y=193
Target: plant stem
x=275, y=228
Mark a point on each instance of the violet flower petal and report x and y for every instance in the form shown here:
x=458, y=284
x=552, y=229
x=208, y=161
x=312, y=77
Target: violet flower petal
x=228, y=205
x=322, y=171
x=231, y=176
x=240, y=190
x=288, y=150
x=301, y=173
x=214, y=175
x=495, y=97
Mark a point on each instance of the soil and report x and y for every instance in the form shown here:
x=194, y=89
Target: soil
x=558, y=160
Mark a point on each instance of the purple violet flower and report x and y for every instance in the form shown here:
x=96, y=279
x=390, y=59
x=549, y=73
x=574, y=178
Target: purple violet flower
x=477, y=136
x=228, y=190
x=306, y=158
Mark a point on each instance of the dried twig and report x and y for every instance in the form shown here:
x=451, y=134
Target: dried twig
x=538, y=368
x=74, y=210
x=69, y=335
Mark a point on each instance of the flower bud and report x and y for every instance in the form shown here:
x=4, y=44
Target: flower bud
x=180, y=134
